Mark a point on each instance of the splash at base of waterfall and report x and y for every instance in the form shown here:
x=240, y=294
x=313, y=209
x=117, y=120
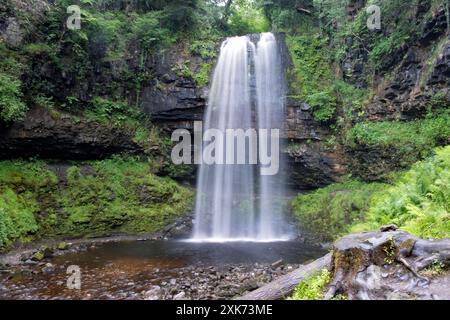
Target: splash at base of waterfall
x=237, y=240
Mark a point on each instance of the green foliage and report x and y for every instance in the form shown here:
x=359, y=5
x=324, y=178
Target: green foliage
x=200, y=76
x=312, y=288
x=323, y=104
x=410, y=140
x=284, y=17
x=329, y=212
x=21, y=184
x=147, y=29
x=206, y=49
x=313, y=77
x=116, y=114
x=16, y=218
x=399, y=15
x=352, y=101
x=122, y=195
x=11, y=105
x=419, y=202
x=246, y=17
x=436, y=269
x=118, y=195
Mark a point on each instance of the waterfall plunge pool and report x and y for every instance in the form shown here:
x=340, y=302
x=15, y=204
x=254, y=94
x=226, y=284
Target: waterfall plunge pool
x=128, y=270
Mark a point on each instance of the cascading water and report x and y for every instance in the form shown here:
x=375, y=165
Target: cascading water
x=270, y=92
x=234, y=202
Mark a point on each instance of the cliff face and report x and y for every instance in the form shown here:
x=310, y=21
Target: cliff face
x=166, y=86
x=48, y=135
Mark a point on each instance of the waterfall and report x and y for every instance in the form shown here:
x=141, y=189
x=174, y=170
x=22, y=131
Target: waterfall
x=234, y=202
x=270, y=110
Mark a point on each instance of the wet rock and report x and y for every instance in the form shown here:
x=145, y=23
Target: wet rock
x=154, y=293
x=48, y=268
x=38, y=256
x=62, y=137
x=180, y=296
x=63, y=246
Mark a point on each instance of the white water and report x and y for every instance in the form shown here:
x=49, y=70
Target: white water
x=235, y=203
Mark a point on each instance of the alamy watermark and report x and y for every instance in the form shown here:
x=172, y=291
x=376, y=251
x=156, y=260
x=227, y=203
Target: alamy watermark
x=228, y=147
x=374, y=20
x=74, y=279
x=73, y=22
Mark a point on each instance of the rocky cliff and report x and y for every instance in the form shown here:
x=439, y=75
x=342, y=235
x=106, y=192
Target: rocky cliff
x=169, y=84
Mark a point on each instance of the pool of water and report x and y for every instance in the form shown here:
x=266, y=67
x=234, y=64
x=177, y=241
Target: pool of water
x=126, y=270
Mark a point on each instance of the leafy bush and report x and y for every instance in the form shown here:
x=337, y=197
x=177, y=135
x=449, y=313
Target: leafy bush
x=419, y=202
x=323, y=104
x=329, y=212
x=115, y=113
x=11, y=105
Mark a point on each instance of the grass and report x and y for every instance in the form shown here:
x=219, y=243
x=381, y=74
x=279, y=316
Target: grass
x=117, y=195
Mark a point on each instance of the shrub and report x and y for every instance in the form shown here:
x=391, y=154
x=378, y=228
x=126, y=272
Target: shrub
x=12, y=107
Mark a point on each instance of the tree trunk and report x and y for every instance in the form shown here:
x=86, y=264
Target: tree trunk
x=285, y=285
x=226, y=12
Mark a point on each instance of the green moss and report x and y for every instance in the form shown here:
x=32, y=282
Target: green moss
x=17, y=221
x=121, y=195
x=329, y=212
x=118, y=195
x=312, y=288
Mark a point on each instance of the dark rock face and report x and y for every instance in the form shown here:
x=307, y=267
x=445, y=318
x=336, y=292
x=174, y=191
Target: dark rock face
x=171, y=100
x=13, y=28
x=309, y=167
x=61, y=136
x=415, y=81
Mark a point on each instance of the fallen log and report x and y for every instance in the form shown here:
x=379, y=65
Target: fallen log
x=285, y=285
